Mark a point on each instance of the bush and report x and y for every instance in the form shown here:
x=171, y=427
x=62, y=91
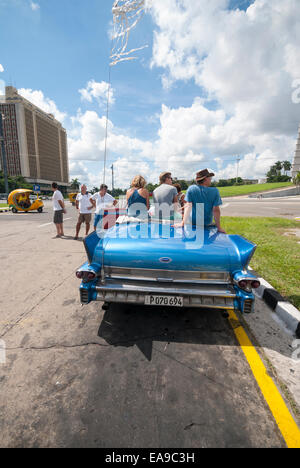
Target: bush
x=278, y=178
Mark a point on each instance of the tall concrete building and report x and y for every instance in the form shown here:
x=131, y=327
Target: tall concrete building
x=296, y=163
x=35, y=142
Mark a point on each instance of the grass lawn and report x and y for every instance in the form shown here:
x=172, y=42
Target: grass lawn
x=235, y=191
x=3, y=205
x=247, y=189
x=277, y=258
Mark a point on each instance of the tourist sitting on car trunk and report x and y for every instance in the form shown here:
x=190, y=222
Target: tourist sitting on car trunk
x=206, y=196
x=138, y=198
x=165, y=197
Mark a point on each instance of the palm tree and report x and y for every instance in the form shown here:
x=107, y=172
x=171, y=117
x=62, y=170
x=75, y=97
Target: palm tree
x=75, y=184
x=278, y=167
x=287, y=166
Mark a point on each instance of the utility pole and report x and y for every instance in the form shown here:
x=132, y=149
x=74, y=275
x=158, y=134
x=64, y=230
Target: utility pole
x=3, y=155
x=112, y=176
x=237, y=168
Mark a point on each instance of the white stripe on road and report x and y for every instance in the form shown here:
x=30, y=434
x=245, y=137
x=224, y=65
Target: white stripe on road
x=225, y=206
x=48, y=224
x=42, y=225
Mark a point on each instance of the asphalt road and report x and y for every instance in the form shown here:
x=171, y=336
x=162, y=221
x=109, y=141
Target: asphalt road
x=140, y=377
x=288, y=207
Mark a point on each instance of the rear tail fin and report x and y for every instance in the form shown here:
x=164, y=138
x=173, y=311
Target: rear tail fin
x=90, y=243
x=245, y=247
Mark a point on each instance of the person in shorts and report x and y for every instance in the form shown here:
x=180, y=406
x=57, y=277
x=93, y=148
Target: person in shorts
x=59, y=210
x=84, y=206
x=102, y=201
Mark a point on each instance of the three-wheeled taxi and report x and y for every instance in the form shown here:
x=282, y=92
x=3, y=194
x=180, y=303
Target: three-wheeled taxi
x=19, y=200
x=72, y=198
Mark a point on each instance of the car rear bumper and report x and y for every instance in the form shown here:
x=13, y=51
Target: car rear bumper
x=218, y=296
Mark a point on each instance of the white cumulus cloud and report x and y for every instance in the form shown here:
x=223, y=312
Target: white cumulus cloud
x=246, y=61
x=97, y=90
x=46, y=104
x=1, y=68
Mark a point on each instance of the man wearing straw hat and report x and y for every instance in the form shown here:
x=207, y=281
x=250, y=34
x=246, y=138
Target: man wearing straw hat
x=206, y=195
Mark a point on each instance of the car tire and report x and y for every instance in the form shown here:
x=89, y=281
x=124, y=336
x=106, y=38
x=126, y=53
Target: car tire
x=40, y=210
x=14, y=210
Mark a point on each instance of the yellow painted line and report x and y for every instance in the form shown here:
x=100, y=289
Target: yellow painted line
x=280, y=411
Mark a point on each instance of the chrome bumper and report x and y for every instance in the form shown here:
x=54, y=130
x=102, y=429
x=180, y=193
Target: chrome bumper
x=194, y=295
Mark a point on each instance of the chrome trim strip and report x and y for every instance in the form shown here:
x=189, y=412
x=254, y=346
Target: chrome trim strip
x=142, y=274
x=167, y=288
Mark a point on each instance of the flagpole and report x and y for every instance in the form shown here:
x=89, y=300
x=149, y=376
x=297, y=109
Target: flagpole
x=106, y=126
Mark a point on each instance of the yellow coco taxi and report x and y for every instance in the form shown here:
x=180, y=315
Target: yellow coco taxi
x=19, y=200
x=72, y=197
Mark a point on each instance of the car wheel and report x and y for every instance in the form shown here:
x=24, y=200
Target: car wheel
x=40, y=210
x=14, y=210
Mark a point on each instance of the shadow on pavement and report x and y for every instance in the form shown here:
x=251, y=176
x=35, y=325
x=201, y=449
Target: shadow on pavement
x=141, y=326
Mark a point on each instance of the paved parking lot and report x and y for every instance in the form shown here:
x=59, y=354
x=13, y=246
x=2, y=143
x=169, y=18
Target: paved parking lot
x=126, y=377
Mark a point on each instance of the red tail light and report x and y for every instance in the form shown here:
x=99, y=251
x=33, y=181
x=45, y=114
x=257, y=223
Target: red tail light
x=255, y=284
x=90, y=276
x=86, y=275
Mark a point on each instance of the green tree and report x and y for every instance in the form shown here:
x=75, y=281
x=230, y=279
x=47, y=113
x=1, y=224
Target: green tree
x=278, y=167
x=287, y=166
x=75, y=184
x=223, y=183
x=14, y=183
x=271, y=174
x=151, y=187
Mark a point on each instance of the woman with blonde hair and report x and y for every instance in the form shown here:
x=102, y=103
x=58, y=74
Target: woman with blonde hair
x=138, y=198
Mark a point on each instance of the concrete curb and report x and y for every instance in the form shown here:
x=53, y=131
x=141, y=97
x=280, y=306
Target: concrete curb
x=4, y=210
x=284, y=309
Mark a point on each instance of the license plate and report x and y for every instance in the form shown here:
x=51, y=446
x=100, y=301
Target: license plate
x=170, y=301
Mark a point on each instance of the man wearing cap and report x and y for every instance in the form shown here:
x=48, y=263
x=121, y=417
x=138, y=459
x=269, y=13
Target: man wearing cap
x=208, y=196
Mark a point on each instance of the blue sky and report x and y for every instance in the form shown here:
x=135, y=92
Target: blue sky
x=180, y=106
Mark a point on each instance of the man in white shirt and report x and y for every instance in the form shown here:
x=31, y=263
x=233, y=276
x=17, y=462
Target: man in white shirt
x=59, y=210
x=84, y=206
x=102, y=201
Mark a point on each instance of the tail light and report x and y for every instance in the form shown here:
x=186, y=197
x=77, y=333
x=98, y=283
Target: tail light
x=255, y=284
x=90, y=276
x=248, y=284
x=243, y=284
x=86, y=275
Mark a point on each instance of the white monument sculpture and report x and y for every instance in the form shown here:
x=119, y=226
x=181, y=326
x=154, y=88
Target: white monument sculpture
x=296, y=163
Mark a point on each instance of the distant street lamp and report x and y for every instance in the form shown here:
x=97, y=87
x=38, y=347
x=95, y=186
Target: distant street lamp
x=237, y=168
x=2, y=117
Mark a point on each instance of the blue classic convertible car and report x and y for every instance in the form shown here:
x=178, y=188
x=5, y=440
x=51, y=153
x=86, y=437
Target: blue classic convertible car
x=160, y=265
